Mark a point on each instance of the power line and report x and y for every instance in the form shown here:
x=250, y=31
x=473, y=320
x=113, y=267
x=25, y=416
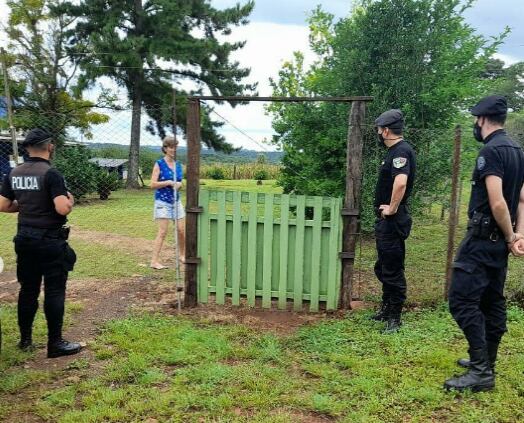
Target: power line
x=238, y=129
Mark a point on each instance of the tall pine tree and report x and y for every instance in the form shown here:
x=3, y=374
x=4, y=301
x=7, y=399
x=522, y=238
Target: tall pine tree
x=127, y=39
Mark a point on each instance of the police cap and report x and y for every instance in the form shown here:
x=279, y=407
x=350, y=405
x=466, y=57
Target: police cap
x=393, y=119
x=492, y=105
x=36, y=136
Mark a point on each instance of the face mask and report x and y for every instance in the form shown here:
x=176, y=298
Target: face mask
x=380, y=139
x=477, y=132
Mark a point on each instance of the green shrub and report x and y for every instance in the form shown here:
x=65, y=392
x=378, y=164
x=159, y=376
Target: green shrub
x=79, y=173
x=260, y=175
x=216, y=173
x=106, y=182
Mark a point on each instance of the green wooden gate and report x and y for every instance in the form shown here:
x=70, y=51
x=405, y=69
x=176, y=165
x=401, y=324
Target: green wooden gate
x=269, y=246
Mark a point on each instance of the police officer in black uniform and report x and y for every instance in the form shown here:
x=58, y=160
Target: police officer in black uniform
x=38, y=193
x=393, y=224
x=476, y=296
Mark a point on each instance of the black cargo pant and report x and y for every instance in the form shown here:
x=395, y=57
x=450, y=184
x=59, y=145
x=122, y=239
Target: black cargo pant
x=390, y=235
x=40, y=257
x=476, y=295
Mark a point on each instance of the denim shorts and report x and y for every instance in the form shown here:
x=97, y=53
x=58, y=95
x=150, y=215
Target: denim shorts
x=165, y=210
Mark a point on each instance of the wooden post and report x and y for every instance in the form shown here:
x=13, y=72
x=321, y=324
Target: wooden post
x=174, y=115
x=192, y=209
x=351, y=210
x=454, y=209
x=12, y=129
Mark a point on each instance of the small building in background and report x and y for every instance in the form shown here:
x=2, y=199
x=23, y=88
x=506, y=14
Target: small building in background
x=112, y=165
x=6, y=153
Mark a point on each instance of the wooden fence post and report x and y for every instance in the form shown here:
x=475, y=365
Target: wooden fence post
x=192, y=209
x=454, y=208
x=351, y=210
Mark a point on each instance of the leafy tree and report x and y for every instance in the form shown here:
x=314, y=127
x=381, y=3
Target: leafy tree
x=416, y=55
x=515, y=126
x=43, y=79
x=508, y=81
x=128, y=40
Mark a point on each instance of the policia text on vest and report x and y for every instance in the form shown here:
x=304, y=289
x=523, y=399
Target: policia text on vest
x=26, y=183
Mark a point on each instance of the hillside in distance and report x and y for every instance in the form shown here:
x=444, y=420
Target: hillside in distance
x=207, y=155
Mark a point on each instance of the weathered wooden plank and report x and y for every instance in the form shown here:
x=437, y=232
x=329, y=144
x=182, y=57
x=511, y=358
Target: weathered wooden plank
x=237, y=247
x=268, y=251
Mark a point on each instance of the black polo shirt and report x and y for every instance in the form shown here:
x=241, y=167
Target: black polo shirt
x=502, y=157
x=400, y=159
x=35, y=184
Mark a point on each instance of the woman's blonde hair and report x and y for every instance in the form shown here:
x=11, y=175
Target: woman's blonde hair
x=169, y=141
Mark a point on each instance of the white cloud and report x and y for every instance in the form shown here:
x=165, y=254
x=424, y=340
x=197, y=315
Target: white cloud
x=506, y=58
x=268, y=46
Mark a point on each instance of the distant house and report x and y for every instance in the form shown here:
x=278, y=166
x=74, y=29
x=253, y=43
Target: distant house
x=6, y=152
x=112, y=165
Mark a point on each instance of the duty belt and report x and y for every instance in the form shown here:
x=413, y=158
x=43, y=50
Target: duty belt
x=41, y=233
x=483, y=226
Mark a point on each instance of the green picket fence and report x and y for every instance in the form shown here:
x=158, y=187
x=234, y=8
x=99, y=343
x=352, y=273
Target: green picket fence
x=269, y=246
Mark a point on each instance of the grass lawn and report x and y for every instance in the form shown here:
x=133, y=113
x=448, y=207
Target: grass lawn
x=186, y=369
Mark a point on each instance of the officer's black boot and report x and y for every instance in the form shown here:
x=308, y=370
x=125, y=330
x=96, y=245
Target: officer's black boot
x=478, y=378
x=382, y=313
x=394, y=323
x=62, y=347
x=26, y=341
x=493, y=348
x=26, y=344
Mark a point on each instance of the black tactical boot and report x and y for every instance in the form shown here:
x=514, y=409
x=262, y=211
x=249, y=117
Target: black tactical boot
x=26, y=340
x=394, y=323
x=382, y=313
x=26, y=344
x=478, y=378
x=493, y=348
x=62, y=347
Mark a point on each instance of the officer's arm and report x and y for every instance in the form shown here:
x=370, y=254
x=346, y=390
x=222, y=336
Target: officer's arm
x=8, y=206
x=499, y=207
x=520, y=213
x=63, y=205
x=399, y=189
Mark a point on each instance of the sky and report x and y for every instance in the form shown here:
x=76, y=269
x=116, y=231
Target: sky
x=278, y=27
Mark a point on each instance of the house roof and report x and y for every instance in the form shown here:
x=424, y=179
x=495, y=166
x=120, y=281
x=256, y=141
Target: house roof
x=103, y=162
x=7, y=138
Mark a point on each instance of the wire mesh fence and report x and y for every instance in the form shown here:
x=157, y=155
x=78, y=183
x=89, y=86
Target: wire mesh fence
x=112, y=222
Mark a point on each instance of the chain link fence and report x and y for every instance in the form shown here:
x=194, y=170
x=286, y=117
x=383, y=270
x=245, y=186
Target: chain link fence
x=110, y=220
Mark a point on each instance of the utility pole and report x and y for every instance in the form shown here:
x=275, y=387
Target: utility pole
x=9, y=106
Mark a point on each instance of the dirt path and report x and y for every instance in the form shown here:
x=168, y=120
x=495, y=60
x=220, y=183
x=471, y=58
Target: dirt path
x=140, y=247
x=103, y=300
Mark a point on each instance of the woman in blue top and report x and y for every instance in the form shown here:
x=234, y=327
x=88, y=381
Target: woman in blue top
x=166, y=180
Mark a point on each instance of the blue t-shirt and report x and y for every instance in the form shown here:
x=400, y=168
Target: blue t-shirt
x=167, y=194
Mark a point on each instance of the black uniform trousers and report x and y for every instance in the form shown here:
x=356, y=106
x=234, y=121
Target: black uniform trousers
x=390, y=235
x=36, y=259
x=476, y=295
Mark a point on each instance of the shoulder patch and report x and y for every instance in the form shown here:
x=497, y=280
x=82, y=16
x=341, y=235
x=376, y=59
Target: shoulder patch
x=481, y=162
x=399, y=162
